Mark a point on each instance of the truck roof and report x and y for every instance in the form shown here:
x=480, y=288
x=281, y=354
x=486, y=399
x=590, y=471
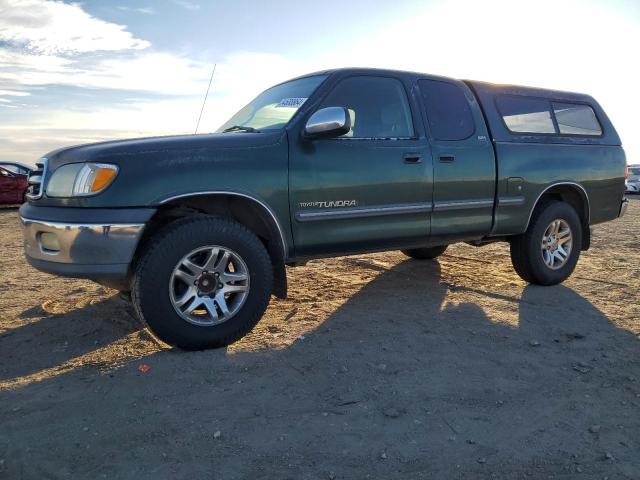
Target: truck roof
x=487, y=95
x=516, y=89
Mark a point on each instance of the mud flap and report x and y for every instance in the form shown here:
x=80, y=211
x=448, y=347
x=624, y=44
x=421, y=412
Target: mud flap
x=586, y=238
x=279, y=279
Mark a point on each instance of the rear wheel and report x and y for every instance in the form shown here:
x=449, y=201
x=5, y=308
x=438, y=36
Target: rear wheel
x=427, y=253
x=203, y=283
x=547, y=253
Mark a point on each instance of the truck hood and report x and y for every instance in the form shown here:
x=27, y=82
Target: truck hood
x=158, y=148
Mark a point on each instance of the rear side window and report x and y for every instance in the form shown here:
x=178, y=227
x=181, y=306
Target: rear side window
x=523, y=114
x=378, y=107
x=448, y=111
x=575, y=119
x=526, y=115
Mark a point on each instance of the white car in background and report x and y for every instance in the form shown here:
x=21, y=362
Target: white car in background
x=632, y=183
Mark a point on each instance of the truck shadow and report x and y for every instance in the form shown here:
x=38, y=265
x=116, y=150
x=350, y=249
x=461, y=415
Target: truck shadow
x=56, y=338
x=407, y=366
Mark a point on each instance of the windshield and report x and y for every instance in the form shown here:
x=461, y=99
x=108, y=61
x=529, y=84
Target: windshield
x=635, y=171
x=273, y=108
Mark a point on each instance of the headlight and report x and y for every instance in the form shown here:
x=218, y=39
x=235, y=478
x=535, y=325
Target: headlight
x=81, y=179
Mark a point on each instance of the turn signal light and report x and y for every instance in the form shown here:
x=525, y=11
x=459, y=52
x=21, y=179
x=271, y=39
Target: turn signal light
x=103, y=177
x=93, y=178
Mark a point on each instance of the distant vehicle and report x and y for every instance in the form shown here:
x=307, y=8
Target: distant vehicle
x=632, y=185
x=199, y=228
x=15, y=167
x=13, y=187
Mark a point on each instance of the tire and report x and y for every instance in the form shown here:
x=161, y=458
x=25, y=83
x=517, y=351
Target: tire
x=527, y=253
x=427, y=253
x=158, y=286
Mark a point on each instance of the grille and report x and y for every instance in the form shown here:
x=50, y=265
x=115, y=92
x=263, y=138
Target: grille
x=36, y=180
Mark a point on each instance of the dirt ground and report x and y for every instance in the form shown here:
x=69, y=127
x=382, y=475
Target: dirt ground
x=375, y=367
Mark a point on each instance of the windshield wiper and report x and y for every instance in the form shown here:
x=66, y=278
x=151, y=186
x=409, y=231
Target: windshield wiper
x=240, y=128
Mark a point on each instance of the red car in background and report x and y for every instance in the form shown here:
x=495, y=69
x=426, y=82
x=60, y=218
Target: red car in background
x=13, y=186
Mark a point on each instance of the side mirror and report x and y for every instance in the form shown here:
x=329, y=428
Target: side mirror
x=328, y=122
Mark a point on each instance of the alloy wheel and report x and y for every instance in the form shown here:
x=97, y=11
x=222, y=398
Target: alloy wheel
x=209, y=285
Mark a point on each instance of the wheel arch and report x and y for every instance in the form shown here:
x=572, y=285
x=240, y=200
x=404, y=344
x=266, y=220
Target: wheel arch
x=575, y=195
x=247, y=210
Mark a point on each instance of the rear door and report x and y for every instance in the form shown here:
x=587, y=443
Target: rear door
x=464, y=168
x=371, y=188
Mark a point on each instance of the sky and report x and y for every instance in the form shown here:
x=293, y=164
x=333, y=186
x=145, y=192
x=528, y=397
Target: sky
x=84, y=71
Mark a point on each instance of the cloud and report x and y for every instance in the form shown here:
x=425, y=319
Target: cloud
x=238, y=78
x=143, y=10
x=111, y=84
x=13, y=93
x=186, y=4
x=52, y=43
x=50, y=27
x=155, y=72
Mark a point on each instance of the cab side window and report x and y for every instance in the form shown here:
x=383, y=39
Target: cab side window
x=378, y=107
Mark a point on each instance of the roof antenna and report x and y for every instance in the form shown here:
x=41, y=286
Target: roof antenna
x=205, y=98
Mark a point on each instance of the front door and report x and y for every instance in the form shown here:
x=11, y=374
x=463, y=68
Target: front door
x=464, y=167
x=7, y=187
x=369, y=189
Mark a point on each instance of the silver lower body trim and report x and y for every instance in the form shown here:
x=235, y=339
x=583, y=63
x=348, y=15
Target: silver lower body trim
x=358, y=212
x=508, y=201
x=463, y=204
x=623, y=207
x=400, y=209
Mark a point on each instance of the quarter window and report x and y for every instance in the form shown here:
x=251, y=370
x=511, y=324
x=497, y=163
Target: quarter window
x=378, y=107
x=575, y=119
x=448, y=110
x=526, y=115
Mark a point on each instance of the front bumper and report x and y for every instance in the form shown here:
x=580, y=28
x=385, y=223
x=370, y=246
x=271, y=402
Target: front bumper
x=98, y=244
x=623, y=207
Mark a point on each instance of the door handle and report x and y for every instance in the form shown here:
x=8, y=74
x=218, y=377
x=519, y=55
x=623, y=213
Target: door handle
x=447, y=158
x=412, y=158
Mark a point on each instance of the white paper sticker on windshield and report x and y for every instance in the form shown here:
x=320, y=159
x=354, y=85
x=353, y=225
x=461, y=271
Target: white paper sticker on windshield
x=294, y=102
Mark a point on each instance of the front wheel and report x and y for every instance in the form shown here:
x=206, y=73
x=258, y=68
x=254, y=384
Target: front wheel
x=204, y=282
x=547, y=253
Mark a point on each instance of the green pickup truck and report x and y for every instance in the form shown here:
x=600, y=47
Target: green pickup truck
x=198, y=229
